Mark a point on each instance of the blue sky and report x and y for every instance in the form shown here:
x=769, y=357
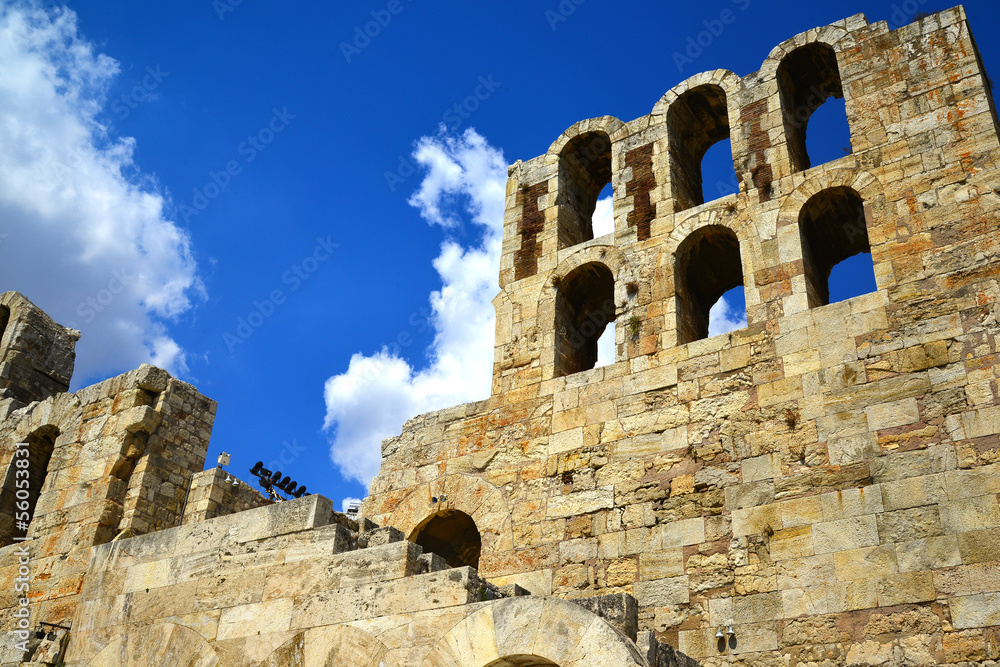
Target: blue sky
x=261, y=197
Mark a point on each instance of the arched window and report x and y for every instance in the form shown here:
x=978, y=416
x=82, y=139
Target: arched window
x=18, y=489
x=453, y=535
x=585, y=304
x=584, y=171
x=833, y=227
x=708, y=265
x=808, y=77
x=696, y=121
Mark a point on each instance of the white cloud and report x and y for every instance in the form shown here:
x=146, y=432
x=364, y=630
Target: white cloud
x=603, y=218
x=465, y=179
x=723, y=318
x=80, y=234
x=604, y=223
x=606, y=346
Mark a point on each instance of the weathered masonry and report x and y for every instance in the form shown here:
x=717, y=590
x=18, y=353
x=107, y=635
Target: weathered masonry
x=818, y=488
x=824, y=480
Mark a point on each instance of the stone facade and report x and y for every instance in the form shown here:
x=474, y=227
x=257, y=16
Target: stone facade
x=824, y=480
x=818, y=488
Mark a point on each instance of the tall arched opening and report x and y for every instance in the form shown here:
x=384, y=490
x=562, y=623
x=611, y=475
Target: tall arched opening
x=696, y=121
x=833, y=228
x=807, y=78
x=585, y=304
x=584, y=171
x=708, y=264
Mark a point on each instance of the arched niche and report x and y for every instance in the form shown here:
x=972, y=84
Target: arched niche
x=451, y=534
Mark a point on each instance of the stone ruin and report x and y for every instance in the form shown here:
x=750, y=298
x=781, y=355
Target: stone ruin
x=817, y=488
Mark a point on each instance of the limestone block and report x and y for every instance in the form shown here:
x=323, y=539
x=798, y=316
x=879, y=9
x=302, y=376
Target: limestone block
x=661, y=564
x=892, y=414
x=852, y=502
x=565, y=441
x=748, y=609
x=967, y=646
x=581, y=502
x=931, y=553
x=845, y=534
x=909, y=524
x=163, y=602
x=801, y=512
x=805, y=572
x=912, y=492
x=324, y=541
x=865, y=563
x=870, y=653
x=975, y=611
x=681, y=533
x=698, y=644
x=981, y=423
x=968, y=514
x=393, y=560
x=750, y=495
x=755, y=638
x=849, y=449
x=791, y=543
x=979, y=546
x=853, y=595
x=601, y=644
x=474, y=641
x=662, y=592
x=757, y=468
x=384, y=535
x=756, y=519
x=967, y=579
x=230, y=590
x=811, y=601
x=149, y=575
x=578, y=551
x=904, y=588
x=259, y=523
x=450, y=588
x=517, y=626
x=620, y=611
x=960, y=484
x=158, y=644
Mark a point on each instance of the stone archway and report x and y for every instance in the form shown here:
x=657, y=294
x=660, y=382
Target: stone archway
x=533, y=632
x=331, y=646
x=159, y=644
x=471, y=495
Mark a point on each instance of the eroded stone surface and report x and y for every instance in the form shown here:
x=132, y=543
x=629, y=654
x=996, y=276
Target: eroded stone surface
x=820, y=487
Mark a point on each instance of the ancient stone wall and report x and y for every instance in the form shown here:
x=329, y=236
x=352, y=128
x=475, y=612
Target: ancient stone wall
x=36, y=354
x=113, y=459
x=819, y=487
x=102, y=570
x=294, y=583
x=825, y=480
x=215, y=492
